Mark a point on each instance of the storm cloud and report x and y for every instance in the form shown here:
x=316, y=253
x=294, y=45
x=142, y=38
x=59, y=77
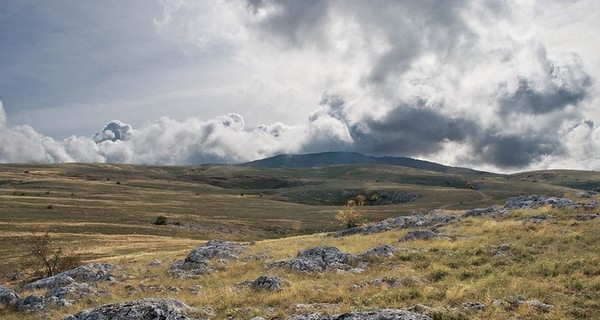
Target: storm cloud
x=469, y=83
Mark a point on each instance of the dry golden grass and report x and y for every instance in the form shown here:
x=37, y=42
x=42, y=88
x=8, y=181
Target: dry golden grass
x=492, y=261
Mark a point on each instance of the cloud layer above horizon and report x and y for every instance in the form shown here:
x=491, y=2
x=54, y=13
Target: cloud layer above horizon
x=483, y=84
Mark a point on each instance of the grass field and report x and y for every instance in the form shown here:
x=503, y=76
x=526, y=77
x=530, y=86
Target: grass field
x=106, y=213
x=91, y=206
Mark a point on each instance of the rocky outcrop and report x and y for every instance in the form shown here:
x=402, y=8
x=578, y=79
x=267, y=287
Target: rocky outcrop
x=535, y=201
x=324, y=258
x=199, y=260
x=144, y=309
x=381, y=314
x=316, y=260
x=417, y=219
x=67, y=287
x=87, y=273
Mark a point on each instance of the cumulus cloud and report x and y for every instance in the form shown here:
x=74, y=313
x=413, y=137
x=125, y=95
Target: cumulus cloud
x=113, y=131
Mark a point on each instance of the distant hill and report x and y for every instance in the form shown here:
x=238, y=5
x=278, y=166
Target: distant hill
x=344, y=158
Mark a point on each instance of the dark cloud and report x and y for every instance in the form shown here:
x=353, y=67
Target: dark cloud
x=415, y=129
x=515, y=151
x=529, y=99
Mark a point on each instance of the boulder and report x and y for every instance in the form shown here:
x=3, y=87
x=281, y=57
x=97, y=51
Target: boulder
x=381, y=314
x=266, y=283
x=198, y=261
x=144, y=309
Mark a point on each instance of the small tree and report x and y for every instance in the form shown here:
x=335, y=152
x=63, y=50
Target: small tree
x=44, y=258
x=348, y=215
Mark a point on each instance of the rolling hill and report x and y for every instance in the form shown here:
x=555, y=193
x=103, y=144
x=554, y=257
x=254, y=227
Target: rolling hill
x=345, y=158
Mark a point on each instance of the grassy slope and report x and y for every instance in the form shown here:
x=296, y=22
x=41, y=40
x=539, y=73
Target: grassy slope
x=555, y=262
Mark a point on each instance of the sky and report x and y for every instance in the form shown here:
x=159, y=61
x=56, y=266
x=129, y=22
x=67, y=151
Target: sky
x=497, y=85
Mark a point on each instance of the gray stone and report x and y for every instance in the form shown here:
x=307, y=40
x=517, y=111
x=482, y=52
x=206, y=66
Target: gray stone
x=538, y=218
x=86, y=273
x=7, y=296
x=381, y=314
x=198, y=262
x=417, y=219
x=266, y=283
x=538, y=305
x=586, y=194
x=144, y=309
x=419, y=235
x=586, y=216
x=382, y=250
x=473, y=305
x=32, y=303
x=489, y=211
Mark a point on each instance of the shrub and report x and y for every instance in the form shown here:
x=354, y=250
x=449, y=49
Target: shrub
x=348, y=216
x=161, y=221
x=44, y=259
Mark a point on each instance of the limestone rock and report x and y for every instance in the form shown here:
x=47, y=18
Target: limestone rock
x=381, y=314
x=419, y=235
x=198, y=261
x=7, y=296
x=144, y=309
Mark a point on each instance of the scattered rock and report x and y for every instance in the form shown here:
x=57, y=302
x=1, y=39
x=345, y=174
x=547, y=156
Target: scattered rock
x=535, y=201
x=198, y=261
x=266, y=283
x=195, y=289
x=538, y=218
x=489, y=211
x=323, y=258
x=154, y=263
x=538, y=305
x=586, y=194
x=473, y=305
x=382, y=250
x=157, y=309
x=391, y=282
x=7, y=296
x=382, y=314
x=417, y=219
x=419, y=235
x=316, y=260
x=525, y=202
x=32, y=303
x=76, y=284
x=586, y=217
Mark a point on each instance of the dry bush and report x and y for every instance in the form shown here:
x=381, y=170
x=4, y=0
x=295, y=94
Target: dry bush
x=44, y=259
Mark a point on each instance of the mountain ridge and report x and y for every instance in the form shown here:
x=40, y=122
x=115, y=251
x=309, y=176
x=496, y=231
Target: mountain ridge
x=345, y=158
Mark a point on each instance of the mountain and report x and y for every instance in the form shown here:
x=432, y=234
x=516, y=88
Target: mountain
x=344, y=158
